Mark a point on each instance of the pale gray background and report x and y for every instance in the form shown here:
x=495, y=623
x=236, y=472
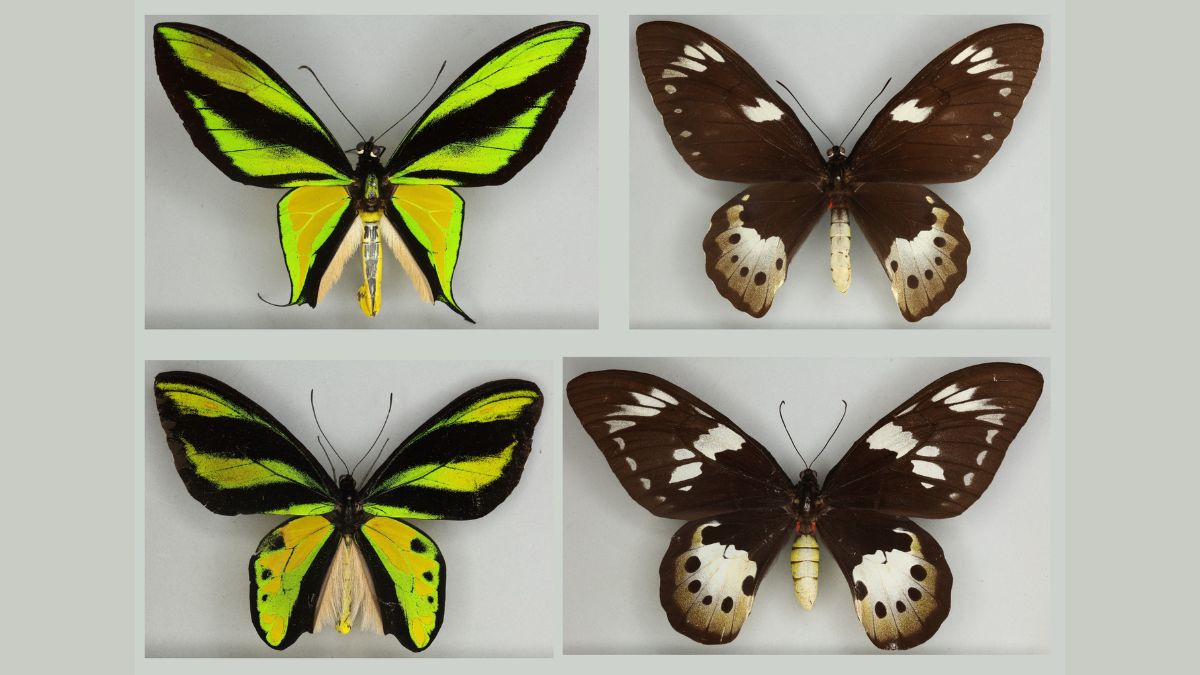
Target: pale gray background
x=835, y=64
x=1000, y=550
x=197, y=602
x=528, y=256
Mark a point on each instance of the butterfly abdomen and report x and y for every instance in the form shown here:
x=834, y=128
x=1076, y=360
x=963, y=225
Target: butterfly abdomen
x=839, y=248
x=806, y=557
x=347, y=596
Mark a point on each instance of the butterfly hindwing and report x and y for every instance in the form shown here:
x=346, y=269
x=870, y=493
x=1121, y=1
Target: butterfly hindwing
x=947, y=123
x=241, y=114
x=936, y=453
x=713, y=567
x=498, y=114
x=673, y=453
x=408, y=575
x=287, y=573
x=723, y=118
x=897, y=573
x=463, y=461
x=919, y=240
x=427, y=229
x=233, y=456
x=317, y=237
x=752, y=237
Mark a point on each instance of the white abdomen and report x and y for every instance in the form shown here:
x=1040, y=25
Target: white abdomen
x=839, y=249
x=806, y=557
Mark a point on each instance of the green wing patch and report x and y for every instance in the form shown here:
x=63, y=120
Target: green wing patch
x=463, y=461
x=241, y=114
x=232, y=455
x=409, y=578
x=499, y=113
x=286, y=575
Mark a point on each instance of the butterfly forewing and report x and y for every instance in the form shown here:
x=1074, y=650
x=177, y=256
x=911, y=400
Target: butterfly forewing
x=232, y=455
x=672, y=452
x=947, y=123
x=936, y=453
x=464, y=461
x=897, y=574
x=919, y=240
x=713, y=567
x=752, y=238
x=724, y=120
x=241, y=114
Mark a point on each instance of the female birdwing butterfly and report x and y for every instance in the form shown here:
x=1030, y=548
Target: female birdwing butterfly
x=931, y=457
x=347, y=557
x=944, y=126
x=483, y=129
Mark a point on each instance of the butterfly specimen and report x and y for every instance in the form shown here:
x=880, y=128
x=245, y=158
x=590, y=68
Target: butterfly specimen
x=944, y=126
x=931, y=457
x=344, y=558
x=482, y=130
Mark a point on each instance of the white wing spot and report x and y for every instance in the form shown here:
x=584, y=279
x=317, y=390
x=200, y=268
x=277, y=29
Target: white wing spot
x=1005, y=91
x=893, y=438
x=764, y=111
x=954, y=496
x=909, y=111
x=659, y=499
x=685, y=488
x=684, y=62
x=929, y=199
x=645, y=400
x=645, y=483
x=685, y=472
x=945, y=392
x=985, y=53
x=620, y=442
x=670, y=73
x=695, y=153
x=963, y=55
x=692, y=52
x=987, y=137
x=682, y=454
x=670, y=89
x=926, y=485
x=664, y=396
x=986, y=66
x=980, y=456
x=685, y=134
x=718, y=439
x=616, y=425
x=929, y=451
x=701, y=412
x=712, y=53
x=632, y=464
x=995, y=418
x=678, y=110
x=974, y=406
x=991, y=434
x=976, y=156
x=996, y=114
x=635, y=410
x=928, y=469
x=1006, y=76
x=964, y=395
x=968, y=479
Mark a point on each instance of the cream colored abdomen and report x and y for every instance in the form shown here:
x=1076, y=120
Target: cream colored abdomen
x=839, y=249
x=806, y=557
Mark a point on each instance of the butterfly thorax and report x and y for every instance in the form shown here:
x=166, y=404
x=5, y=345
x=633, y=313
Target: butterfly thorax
x=349, y=513
x=806, y=555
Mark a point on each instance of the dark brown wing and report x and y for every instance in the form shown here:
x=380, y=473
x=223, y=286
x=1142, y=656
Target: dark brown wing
x=724, y=120
x=949, y=121
x=896, y=571
x=713, y=567
x=936, y=453
x=919, y=240
x=752, y=239
x=672, y=452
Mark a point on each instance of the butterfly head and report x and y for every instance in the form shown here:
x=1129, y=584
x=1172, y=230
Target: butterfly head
x=347, y=487
x=369, y=151
x=836, y=152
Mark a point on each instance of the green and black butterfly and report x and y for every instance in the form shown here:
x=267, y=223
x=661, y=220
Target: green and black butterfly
x=343, y=559
x=483, y=129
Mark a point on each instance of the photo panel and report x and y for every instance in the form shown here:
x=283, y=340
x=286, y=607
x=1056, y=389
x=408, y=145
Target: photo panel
x=443, y=482
x=999, y=554
x=750, y=131
x=522, y=254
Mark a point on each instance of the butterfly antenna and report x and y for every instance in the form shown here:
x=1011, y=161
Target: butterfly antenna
x=377, y=436
x=789, y=435
x=864, y=112
x=371, y=468
x=410, y=111
x=810, y=119
x=339, y=109
x=845, y=407
x=313, y=404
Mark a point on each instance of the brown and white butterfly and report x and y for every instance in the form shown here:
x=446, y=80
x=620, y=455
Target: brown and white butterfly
x=944, y=126
x=931, y=457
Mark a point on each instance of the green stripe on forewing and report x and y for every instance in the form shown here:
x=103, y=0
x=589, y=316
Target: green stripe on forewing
x=255, y=158
x=229, y=70
x=506, y=405
x=192, y=400
x=398, y=512
x=466, y=475
x=484, y=156
x=506, y=70
x=236, y=473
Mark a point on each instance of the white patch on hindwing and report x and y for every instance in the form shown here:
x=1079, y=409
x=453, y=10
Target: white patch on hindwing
x=755, y=267
x=762, y=111
x=919, y=267
x=909, y=111
x=893, y=592
x=714, y=583
x=893, y=438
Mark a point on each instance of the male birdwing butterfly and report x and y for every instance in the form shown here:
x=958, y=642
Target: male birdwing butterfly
x=931, y=457
x=345, y=554
x=943, y=126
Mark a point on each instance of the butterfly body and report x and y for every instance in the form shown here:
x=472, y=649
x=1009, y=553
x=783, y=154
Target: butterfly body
x=931, y=457
x=728, y=124
x=481, y=131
